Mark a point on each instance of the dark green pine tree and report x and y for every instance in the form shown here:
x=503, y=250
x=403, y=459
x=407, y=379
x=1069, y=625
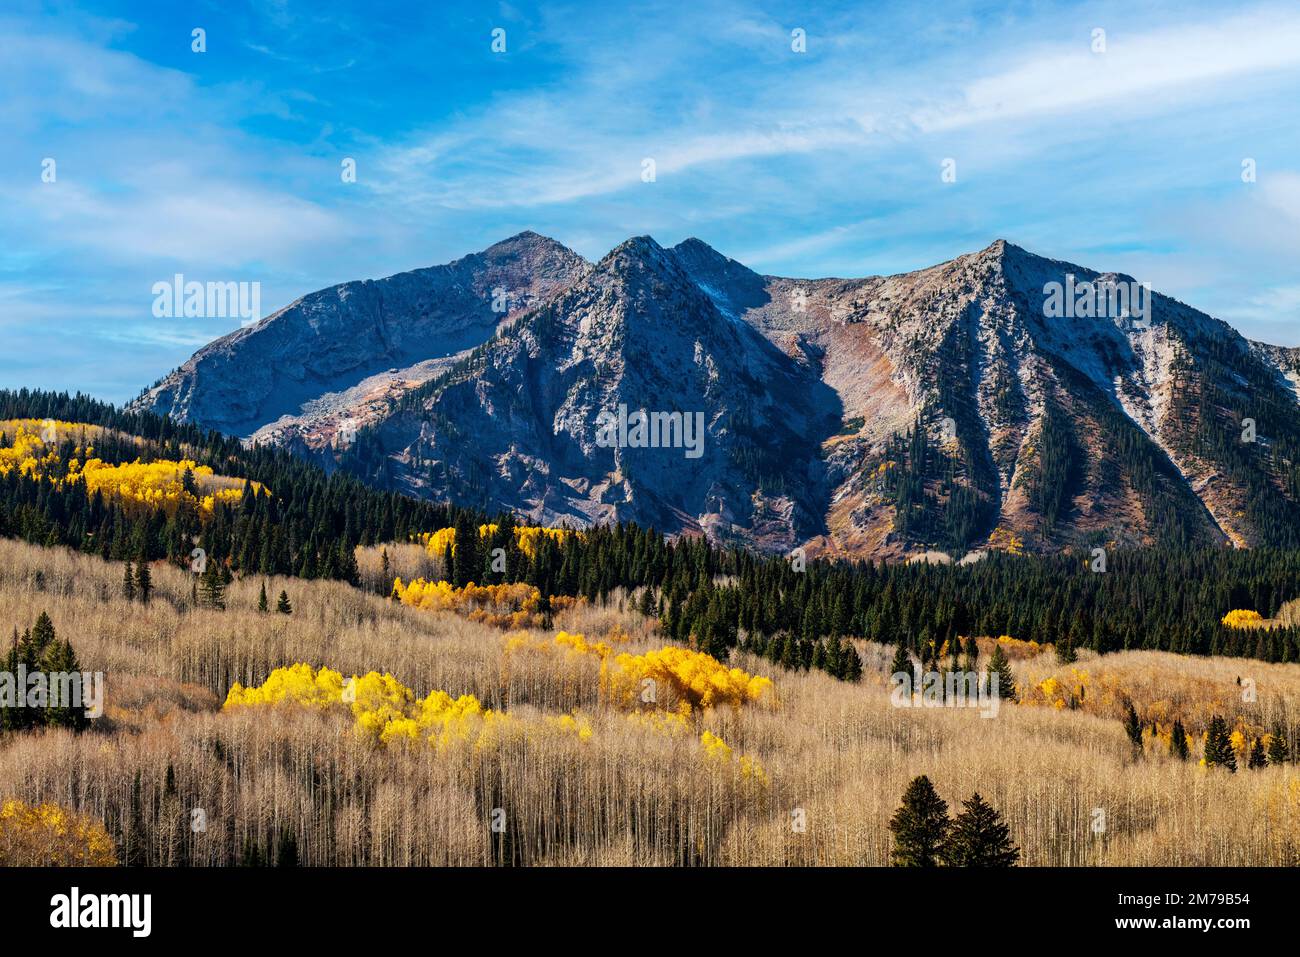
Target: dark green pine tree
x=143, y=581
x=128, y=582
x=61, y=663
x=41, y=637
x=1065, y=653
x=902, y=663
x=1278, y=752
x=850, y=664
x=919, y=825
x=1257, y=757
x=283, y=606
x=211, y=588
x=648, y=604
x=1178, y=741
x=1133, y=726
x=262, y=604
x=978, y=837
x=1218, y=746
x=1000, y=666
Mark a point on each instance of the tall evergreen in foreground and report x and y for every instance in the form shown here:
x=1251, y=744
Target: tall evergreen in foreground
x=1178, y=741
x=1218, y=746
x=919, y=825
x=1278, y=752
x=1000, y=666
x=1257, y=757
x=1133, y=727
x=212, y=589
x=978, y=837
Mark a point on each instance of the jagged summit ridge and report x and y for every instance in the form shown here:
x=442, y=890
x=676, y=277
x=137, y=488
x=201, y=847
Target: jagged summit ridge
x=1044, y=429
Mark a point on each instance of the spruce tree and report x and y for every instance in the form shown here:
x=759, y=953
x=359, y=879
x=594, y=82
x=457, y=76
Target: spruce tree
x=1178, y=741
x=212, y=588
x=850, y=664
x=978, y=837
x=1278, y=752
x=143, y=581
x=648, y=604
x=1133, y=726
x=919, y=825
x=262, y=605
x=1218, y=746
x=902, y=663
x=1257, y=757
x=1000, y=666
x=128, y=582
x=283, y=606
x=1065, y=653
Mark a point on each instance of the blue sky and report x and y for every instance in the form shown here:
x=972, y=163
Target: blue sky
x=225, y=165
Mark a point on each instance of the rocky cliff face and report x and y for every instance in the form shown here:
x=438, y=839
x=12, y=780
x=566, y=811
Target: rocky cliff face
x=998, y=400
x=339, y=354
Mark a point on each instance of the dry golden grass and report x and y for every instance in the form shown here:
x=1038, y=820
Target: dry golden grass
x=838, y=754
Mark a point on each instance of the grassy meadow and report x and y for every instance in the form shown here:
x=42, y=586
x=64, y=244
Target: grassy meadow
x=833, y=758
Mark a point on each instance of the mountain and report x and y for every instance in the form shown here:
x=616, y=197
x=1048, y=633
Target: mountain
x=977, y=403
x=342, y=352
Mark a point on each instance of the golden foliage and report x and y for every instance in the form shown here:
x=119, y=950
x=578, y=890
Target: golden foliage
x=49, y=835
x=510, y=605
x=698, y=680
x=1242, y=618
x=385, y=711
x=527, y=538
x=153, y=485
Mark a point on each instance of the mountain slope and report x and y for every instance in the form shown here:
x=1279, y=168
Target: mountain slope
x=328, y=356
x=952, y=407
x=513, y=426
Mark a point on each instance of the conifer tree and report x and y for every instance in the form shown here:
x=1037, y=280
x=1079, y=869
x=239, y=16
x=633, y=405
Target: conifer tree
x=1178, y=741
x=212, y=588
x=42, y=636
x=1000, y=666
x=283, y=606
x=1065, y=653
x=262, y=605
x=919, y=825
x=128, y=582
x=978, y=837
x=1257, y=757
x=1218, y=746
x=1278, y=752
x=1133, y=726
x=850, y=667
x=143, y=581
x=902, y=663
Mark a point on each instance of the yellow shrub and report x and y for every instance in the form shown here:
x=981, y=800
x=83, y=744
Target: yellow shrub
x=385, y=711
x=48, y=835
